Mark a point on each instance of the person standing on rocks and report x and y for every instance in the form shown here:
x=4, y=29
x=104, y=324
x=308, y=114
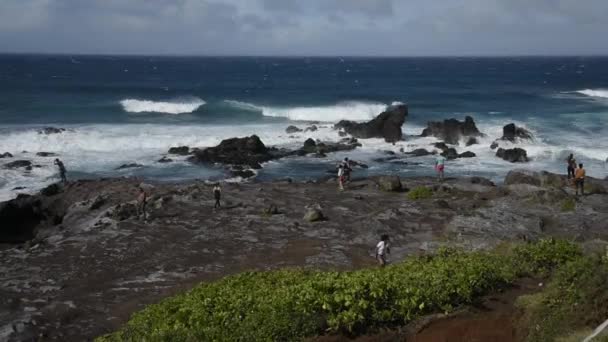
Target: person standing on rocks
x=347, y=169
x=440, y=166
x=142, y=201
x=217, y=194
x=62, y=171
x=382, y=248
x=571, y=166
x=341, y=177
x=579, y=179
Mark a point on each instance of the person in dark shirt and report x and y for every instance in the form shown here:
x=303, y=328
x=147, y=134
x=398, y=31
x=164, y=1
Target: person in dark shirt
x=62, y=171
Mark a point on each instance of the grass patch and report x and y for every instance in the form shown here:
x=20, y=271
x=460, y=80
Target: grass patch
x=420, y=193
x=568, y=205
x=573, y=304
x=288, y=305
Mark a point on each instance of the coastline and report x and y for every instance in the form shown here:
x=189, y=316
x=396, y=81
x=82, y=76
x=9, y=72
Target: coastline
x=84, y=276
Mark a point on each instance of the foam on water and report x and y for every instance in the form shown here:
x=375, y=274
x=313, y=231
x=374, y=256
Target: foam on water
x=350, y=110
x=169, y=107
x=603, y=93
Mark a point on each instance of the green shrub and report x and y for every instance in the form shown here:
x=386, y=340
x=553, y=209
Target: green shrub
x=541, y=257
x=419, y=193
x=568, y=205
x=288, y=305
x=576, y=300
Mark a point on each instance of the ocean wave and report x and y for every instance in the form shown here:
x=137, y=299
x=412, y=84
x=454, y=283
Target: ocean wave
x=603, y=93
x=168, y=107
x=348, y=110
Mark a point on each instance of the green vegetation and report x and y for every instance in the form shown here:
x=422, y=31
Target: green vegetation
x=574, y=302
x=419, y=193
x=568, y=205
x=287, y=305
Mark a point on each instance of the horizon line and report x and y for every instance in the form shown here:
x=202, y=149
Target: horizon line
x=2, y=53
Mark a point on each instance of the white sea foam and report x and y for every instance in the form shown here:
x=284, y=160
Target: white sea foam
x=348, y=110
x=602, y=93
x=169, y=107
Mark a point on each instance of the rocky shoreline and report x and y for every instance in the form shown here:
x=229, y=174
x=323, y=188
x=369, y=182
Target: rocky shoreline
x=77, y=262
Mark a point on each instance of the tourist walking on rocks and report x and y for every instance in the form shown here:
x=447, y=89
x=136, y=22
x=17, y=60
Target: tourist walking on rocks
x=142, y=201
x=382, y=248
x=341, y=177
x=571, y=166
x=347, y=169
x=579, y=179
x=440, y=166
x=62, y=170
x=217, y=194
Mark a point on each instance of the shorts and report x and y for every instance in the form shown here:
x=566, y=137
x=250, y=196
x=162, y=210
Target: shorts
x=440, y=168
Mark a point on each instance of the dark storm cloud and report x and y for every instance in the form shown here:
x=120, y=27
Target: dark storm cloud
x=313, y=27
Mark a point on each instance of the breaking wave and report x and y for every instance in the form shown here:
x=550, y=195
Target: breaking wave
x=168, y=107
x=349, y=110
x=603, y=93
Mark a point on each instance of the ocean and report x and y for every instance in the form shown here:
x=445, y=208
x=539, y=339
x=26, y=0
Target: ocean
x=128, y=109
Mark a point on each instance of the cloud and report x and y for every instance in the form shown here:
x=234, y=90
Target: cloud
x=313, y=27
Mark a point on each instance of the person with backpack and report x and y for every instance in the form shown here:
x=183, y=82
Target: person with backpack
x=382, y=249
x=347, y=169
x=217, y=195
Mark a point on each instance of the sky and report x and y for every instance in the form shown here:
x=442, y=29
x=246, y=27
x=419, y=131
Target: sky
x=306, y=27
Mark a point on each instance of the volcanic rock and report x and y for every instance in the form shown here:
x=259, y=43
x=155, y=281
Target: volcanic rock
x=467, y=154
x=19, y=218
x=390, y=183
x=511, y=133
x=387, y=125
x=419, y=152
x=46, y=154
x=18, y=164
x=292, y=129
x=452, y=130
x=450, y=153
x=128, y=166
x=513, y=155
x=51, y=130
x=165, y=159
x=236, y=151
x=180, y=150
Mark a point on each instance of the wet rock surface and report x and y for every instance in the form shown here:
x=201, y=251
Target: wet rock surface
x=91, y=262
x=513, y=155
x=512, y=133
x=18, y=164
x=452, y=130
x=387, y=125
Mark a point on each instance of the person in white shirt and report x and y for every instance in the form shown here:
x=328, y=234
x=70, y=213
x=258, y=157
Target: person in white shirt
x=382, y=249
x=341, y=177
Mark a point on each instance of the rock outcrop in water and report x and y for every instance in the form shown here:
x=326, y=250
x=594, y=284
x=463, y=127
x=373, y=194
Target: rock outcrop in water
x=249, y=151
x=387, y=125
x=452, y=130
x=18, y=164
x=180, y=150
x=511, y=133
x=6, y=155
x=513, y=155
x=51, y=130
x=292, y=129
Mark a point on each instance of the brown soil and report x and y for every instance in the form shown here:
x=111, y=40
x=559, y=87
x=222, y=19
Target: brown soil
x=493, y=319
